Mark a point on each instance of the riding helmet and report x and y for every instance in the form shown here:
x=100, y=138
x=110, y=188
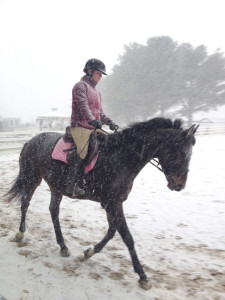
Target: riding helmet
x=95, y=64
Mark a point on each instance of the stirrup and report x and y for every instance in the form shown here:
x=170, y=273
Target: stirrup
x=77, y=191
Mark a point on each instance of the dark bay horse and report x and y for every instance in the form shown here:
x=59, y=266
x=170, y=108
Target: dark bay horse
x=122, y=156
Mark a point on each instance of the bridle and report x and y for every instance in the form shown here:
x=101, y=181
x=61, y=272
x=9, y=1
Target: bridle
x=158, y=166
x=153, y=161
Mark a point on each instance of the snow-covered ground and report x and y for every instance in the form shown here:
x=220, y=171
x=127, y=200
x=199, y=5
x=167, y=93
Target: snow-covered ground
x=179, y=237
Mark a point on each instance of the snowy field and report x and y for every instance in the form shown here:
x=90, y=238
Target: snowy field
x=179, y=237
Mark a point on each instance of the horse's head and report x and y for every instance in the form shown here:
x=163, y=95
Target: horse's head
x=175, y=158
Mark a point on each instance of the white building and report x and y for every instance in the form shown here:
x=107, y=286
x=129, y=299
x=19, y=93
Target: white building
x=53, y=120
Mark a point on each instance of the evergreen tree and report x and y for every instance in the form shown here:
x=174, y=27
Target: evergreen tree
x=163, y=75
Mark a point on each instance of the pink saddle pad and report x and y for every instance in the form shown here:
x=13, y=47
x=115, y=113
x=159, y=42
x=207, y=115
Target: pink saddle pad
x=58, y=152
x=61, y=155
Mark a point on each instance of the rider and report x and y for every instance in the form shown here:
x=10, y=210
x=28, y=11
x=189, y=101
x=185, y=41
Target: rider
x=87, y=113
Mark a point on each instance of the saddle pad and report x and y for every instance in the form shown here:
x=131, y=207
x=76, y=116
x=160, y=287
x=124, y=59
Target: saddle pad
x=91, y=164
x=58, y=153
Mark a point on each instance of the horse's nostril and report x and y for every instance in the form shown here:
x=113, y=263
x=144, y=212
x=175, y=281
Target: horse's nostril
x=179, y=187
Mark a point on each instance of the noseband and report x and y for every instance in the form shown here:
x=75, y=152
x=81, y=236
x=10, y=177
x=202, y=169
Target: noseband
x=153, y=161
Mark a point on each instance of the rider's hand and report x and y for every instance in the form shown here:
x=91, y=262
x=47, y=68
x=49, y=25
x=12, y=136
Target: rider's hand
x=96, y=123
x=112, y=125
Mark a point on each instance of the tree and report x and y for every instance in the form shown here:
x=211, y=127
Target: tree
x=163, y=75
x=201, y=79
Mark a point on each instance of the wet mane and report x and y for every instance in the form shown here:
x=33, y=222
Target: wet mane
x=139, y=129
x=156, y=123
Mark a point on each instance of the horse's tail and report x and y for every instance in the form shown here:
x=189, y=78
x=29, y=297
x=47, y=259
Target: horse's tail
x=30, y=176
x=17, y=190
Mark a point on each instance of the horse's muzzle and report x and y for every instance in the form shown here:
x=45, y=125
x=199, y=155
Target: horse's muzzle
x=174, y=187
x=176, y=183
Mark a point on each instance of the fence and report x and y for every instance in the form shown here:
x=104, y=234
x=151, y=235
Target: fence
x=211, y=127
x=13, y=141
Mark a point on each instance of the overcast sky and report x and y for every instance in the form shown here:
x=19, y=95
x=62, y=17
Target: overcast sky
x=45, y=43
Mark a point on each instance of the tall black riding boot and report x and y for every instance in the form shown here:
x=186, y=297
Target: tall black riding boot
x=74, y=176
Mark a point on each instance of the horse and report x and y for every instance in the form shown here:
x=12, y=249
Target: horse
x=122, y=155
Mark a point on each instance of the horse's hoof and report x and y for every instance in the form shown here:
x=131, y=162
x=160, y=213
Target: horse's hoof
x=65, y=252
x=19, y=237
x=89, y=253
x=78, y=259
x=145, y=284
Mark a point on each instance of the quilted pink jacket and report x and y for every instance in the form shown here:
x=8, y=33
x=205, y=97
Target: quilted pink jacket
x=86, y=104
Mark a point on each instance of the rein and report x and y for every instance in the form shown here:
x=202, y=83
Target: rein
x=90, y=137
x=158, y=164
x=155, y=162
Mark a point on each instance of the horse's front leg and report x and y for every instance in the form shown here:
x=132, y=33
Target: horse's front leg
x=54, y=208
x=109, y=235
x=117, y=221
x=97, y=248
x=123, y=230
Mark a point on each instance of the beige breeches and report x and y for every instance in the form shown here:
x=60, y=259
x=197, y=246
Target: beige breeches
x=81, y=136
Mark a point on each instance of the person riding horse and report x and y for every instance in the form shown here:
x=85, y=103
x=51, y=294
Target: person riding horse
x=87, y=115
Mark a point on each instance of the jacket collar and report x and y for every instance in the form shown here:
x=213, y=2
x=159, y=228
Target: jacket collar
x=89, y=80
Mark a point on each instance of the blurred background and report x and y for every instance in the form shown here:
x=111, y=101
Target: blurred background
x=164, y=58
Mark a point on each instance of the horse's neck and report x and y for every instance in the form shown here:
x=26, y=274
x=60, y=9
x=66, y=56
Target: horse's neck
x=150, y=145
x=140, y=148
x=165, y=138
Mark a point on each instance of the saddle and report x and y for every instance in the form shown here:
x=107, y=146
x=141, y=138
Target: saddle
x=66, y=150
x=86, y=149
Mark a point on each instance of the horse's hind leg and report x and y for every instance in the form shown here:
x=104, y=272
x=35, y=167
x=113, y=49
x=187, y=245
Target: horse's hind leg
x=28, y=180
x=25, y=202
x=54, y=208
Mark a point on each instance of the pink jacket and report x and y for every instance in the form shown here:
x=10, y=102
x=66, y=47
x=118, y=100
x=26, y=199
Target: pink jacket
x=86, y=104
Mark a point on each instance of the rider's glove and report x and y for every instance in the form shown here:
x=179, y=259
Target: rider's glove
x=96, y=123
x=112, y=125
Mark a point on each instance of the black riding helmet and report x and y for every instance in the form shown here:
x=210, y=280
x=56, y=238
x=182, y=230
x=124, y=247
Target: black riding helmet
x=95, y=64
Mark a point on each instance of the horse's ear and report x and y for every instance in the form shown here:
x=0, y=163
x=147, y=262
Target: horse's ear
x=192, y=130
